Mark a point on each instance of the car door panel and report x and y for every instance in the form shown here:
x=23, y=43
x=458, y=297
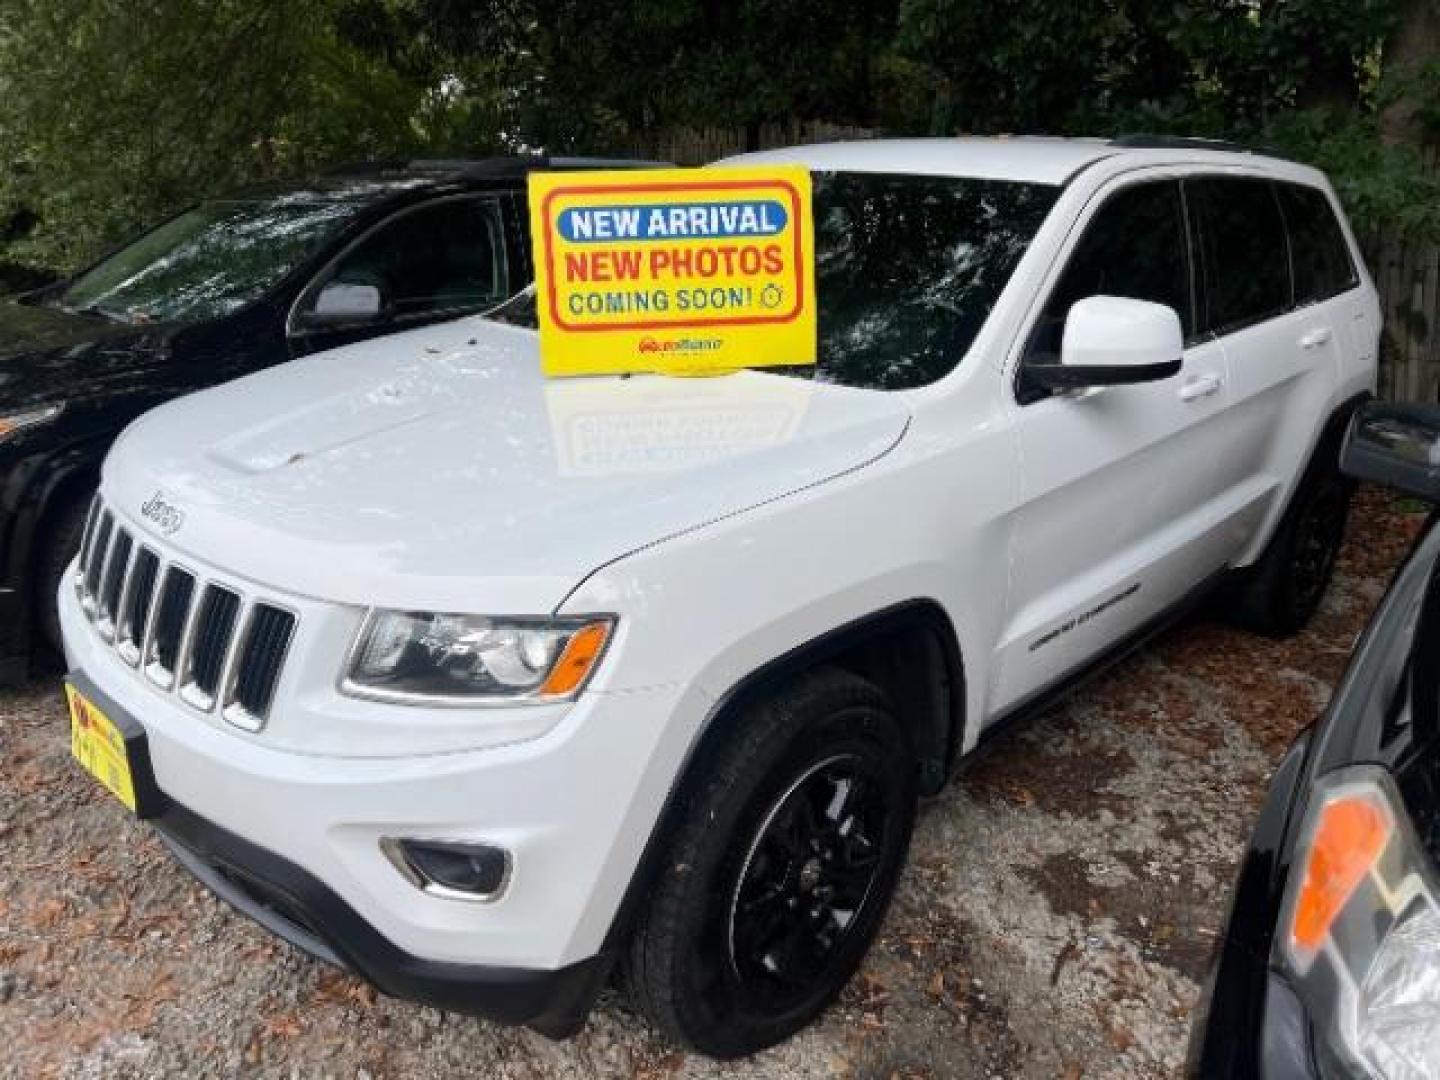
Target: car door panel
x=1284, y=364
x=1131, y=495
x=1110, y=536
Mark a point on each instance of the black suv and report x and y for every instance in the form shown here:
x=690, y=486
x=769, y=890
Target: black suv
x=225, y=288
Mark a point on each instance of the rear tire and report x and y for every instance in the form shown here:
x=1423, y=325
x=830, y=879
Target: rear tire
x=60, y=543
x=780, y=869
x=1281, y=593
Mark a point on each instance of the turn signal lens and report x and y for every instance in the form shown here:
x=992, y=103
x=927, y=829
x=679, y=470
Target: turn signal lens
x=1350, y=836
x=13, y=422
x=576, y=662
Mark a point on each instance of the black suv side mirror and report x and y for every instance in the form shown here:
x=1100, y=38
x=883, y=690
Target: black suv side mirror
x=1396, y=445
x=342, y=303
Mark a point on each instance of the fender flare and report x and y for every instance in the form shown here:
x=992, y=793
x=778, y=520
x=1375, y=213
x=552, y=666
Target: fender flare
x=54, y=476
x=910, y=615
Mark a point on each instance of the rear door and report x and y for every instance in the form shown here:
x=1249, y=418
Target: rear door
x=1123, y=506
x=1280, y=345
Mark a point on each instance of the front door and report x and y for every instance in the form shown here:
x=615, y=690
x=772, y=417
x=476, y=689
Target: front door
x=1123, y=507
x=436, y=261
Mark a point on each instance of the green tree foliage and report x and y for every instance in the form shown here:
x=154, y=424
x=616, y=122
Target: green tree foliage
x=116, y=112
x=1312, y=77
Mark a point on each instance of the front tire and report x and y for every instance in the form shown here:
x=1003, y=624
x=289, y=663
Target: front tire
x=780, y=870
x=61, y=543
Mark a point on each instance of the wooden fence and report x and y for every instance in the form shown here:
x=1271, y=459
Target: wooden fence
x=1407, y=274
x=1406, y=270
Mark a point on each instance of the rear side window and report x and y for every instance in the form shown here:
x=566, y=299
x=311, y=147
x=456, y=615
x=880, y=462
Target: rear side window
x=1134, y=246
x=1318, y=252
x=1246, y=260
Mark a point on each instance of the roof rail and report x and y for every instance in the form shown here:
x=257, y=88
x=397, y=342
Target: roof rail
x=484, y=168
x=357, y=168
x=527, y=163
x=498, y=163
x=1141, y=141
x=607, y=163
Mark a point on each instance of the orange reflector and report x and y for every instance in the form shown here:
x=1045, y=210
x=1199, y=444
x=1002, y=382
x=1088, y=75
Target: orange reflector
x=1349, y=838
x=581, y=652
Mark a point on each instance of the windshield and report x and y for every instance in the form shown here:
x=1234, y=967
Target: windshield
x=907, y=269
x=208, y=261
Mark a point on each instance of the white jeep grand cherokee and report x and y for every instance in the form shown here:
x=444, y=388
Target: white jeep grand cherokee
x=482, y=685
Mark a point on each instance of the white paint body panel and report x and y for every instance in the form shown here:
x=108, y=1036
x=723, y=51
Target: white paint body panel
x=724, y=521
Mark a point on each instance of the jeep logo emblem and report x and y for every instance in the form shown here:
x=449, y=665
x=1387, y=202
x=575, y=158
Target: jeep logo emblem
x=166, y=517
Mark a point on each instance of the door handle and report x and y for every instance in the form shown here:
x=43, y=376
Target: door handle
x=1315, y=338
x=1202, y=386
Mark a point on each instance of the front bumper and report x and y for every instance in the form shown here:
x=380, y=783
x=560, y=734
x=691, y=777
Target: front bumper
x=294, y=838
x=303, y=911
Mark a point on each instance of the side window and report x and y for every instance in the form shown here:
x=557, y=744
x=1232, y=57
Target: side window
x=1247, y=262
x=444, y=256
x=1318, y=251
x=1133, y=246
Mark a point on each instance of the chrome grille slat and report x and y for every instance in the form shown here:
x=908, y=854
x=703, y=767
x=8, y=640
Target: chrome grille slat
x=136, y=605
x=172, y=622
x=211, y=639
x=112, y=582
x=267, y=641
x=87, y=540
x=98, y=554
x=147, y=639
x=203, y=640
x=239, y=644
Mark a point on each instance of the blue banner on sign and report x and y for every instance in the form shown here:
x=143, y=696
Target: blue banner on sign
x=691, y=221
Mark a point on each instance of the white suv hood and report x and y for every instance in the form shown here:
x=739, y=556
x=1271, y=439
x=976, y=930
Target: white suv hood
x=438, y=469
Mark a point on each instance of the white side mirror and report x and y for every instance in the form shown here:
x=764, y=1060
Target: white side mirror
x=1114, y=341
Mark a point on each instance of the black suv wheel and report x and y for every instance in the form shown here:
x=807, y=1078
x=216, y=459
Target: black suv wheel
x=61, y=544
x=780, y=872
x=1281, y=594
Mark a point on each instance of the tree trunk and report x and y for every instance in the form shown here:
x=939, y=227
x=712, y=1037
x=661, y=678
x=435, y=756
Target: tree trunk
x=1416, y=40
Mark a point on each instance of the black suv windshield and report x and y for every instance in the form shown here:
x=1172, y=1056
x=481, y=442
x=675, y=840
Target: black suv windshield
x=208, y=261
x=907, y=269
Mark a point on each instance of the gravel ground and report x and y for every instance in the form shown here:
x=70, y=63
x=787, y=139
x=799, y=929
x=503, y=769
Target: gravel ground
x=1061, y=905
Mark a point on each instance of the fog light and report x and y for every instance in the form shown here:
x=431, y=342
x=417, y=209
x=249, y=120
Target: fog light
x=448, y=868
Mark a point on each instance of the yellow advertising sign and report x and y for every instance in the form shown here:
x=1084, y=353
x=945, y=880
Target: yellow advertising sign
x=676, y=271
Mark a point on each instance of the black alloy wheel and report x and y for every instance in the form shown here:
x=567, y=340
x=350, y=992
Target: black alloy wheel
x=778, y=871
x=808, y=873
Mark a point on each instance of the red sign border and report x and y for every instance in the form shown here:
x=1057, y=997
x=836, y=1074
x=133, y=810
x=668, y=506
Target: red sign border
x=679, y=185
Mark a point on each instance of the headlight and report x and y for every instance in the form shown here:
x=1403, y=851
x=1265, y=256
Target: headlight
x=432, y=659
x=10, y=423
x=1360, y=931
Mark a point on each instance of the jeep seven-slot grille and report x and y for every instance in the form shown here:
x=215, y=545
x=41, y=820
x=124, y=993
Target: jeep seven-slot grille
x=204, y=640
x=269, y=637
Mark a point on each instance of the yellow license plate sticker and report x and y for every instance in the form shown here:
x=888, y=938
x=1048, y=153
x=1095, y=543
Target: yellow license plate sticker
x=97, y=744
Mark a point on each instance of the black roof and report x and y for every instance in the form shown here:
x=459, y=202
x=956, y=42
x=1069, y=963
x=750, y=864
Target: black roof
x=366, y=181
x=513, y=166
